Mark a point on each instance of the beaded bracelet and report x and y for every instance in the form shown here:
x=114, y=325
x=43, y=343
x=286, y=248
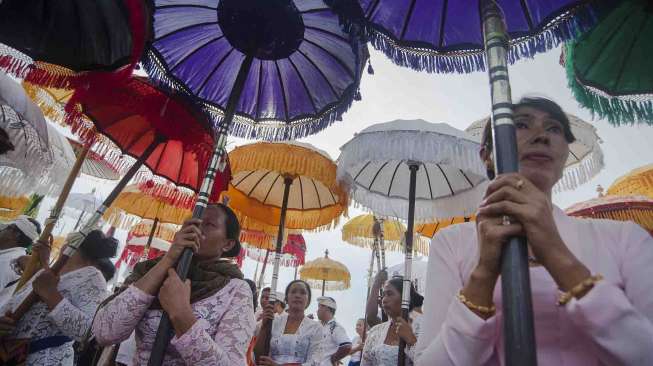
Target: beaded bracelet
x=490, y=310
x=586, y=284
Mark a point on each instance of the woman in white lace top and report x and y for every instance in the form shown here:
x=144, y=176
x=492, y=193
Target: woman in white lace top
x=382, y=342
x=68, y=302
x=212, y=313
x=296, y=339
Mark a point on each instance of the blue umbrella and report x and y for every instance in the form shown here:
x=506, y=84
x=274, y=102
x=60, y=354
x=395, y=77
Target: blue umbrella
x=304, y=70
x=447, y=36
x=276, y=70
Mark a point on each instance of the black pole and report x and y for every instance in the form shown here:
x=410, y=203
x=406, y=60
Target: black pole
x=267, y=324
x=323, y=286
x=146, y=250
x=518, y=327
x=164, y=332
x=405, y=297
x=265, y=264
x=79, y=220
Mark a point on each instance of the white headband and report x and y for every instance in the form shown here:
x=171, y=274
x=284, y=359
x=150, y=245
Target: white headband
x=28, y=228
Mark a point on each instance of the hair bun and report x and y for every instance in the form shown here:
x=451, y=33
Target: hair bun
x=98, y=246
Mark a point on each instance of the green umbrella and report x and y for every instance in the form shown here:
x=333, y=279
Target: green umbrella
x=609, y=68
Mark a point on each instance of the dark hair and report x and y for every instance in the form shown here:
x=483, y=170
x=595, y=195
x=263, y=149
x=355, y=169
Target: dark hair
x=233, y=229
x=23, y=240
x=252, y=286
x=106, y=267
x=542, y=104
x=415, y=298
x=308, y=288
x=97, y=246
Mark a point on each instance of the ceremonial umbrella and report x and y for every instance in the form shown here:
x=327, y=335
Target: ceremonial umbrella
x=24, y=114
x=637, y=182
x=84, y=202
x=430, y=229
x=325, y=274
x=623, y=208
x=413, y=169
x=585, y=159
x=12, y=207
x=142, y=247
x=608, y=68
x=293, y=254
x=71, y=40
x=95, y=165
x=292, y=185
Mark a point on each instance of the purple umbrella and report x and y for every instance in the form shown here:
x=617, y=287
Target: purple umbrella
x=278, y=70
x=447, y=36
x=304, y=70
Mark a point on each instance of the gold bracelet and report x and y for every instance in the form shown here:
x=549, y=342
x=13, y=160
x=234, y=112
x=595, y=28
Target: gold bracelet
x=583, y=286
x=490, y=310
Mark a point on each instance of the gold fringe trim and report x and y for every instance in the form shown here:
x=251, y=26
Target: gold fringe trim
x=163, y=231
x=325, y=269
x=643, y=217
x=131, y=207
x=52, y=101
x=313, y=220
x=637, y=182
x=12, y=207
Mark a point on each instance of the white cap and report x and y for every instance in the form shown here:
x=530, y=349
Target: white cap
x=280, y=296
x=327, y=301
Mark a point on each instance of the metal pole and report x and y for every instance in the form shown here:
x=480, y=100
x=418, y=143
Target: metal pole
x=518, y=328
x=164, y=332
x=382, y=244
x=408, y=262
x=267, y=326
x=265, y=264
x=146, y=250
x=72, y=246
x=323, y=286
x=79, y=220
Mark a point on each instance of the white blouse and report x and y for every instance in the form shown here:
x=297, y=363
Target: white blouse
x=377, y=353
x=304, y=347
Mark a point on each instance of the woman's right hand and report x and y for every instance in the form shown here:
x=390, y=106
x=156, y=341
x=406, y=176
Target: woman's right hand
x=268, y=312
x=190, y=236
x=492, y=234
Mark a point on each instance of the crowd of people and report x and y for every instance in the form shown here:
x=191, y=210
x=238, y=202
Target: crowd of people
x=591, y=285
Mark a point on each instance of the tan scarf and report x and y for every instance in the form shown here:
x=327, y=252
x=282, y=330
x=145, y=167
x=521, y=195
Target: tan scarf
x=206, y=277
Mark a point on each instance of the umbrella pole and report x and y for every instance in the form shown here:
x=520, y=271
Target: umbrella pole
x=382, y=246
x=267, y=324
x=408, y=262
x=148, y=245
x=518, y=327
x=34, y=261
x=258, y=286
x=79, y=220
x=295, y=272
x=164, y=332
x=265, y=264
x=323, y=286
x=72, y=246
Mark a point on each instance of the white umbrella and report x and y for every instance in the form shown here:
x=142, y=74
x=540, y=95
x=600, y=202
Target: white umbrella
x=413, y=169
x=585, y=155
x=84, y=202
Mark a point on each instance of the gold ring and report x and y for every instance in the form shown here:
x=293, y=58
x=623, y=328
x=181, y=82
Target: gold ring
x=520, y=184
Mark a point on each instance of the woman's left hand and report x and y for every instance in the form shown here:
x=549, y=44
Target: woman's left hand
x=45, y=286
x=265, y=361
x=174, y=296
x=515, y=196
x=405, y=331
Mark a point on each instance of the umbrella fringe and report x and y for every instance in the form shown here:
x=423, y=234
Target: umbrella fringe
x=581, y=172
x=15, y=66
x=564, y=27
x=618, y=111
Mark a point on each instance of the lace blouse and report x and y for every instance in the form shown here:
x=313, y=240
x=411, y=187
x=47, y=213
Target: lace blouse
x=220, y=336
x=82, y=291
x=377, y=353
x=303, y=347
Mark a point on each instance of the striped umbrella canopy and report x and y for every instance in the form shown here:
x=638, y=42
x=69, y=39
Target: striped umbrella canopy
x=608, y=68
x=302, y=70
x=637, y=182
x=325, y=274
x=623, y=208
x=585, y=159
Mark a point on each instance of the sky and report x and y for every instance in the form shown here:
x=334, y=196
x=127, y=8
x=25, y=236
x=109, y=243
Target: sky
x=393, y=93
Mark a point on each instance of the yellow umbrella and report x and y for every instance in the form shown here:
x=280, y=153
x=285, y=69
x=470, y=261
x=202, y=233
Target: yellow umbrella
x=325, y=273
x=52, y=101
x=359, y=231
x=430, y=229
x=636, y=182
x=137, y=202
x=638, y=209
x=164, y=232
x=288, y=185
x=12, y=207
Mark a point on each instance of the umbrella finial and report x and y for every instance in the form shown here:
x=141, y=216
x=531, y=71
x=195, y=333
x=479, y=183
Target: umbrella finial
x=599, y=190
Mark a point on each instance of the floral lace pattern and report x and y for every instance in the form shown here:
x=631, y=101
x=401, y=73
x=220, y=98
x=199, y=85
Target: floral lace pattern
x=82, y=291
x=220, y=336
x=304, y=347
x=377, y=353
